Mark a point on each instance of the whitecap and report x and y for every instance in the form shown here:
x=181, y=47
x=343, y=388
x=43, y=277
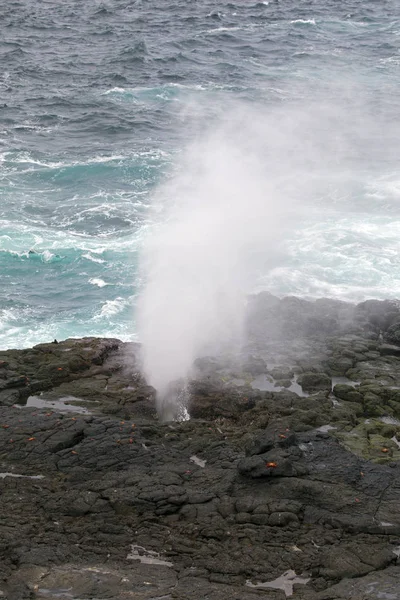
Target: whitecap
x=114, y=90
x=303, y=22
x=222, y=29
x=111, y=308
x=390, y=60
x=99, y=282
x=47, y=256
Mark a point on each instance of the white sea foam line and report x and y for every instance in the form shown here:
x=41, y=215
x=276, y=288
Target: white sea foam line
x=28, y=159
x=221, y=29
x=139, y=90
x=57, y=239
x=303, y=21
x=92, y=258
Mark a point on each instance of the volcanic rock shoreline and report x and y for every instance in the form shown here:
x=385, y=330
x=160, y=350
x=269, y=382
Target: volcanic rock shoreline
x=285, y=481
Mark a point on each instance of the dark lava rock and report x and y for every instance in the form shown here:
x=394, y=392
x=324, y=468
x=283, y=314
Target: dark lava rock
x=347, y=392
x=389, y=350
x=101, y=500
x=208, y=400
x=393, y=333
x=312, y=382
x=270, y=438
x=255, y=365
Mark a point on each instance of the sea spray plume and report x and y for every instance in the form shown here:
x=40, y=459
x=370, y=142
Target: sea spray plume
x=200, y=262
x=239, y=185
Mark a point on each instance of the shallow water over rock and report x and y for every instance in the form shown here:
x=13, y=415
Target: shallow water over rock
x=64, y=404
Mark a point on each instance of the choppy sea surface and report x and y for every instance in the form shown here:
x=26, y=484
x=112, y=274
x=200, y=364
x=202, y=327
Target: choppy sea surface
x=98, y=99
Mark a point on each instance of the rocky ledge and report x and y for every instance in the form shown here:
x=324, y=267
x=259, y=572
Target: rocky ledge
x=285, y=481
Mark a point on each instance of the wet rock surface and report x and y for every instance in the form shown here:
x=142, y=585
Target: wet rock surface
x=262, y=493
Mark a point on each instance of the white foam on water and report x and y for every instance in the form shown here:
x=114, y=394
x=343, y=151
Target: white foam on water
x=29, y=159
x=47, y=255
x=99, y=282
x=93, y=258
x=222, y=29
x=303, y=22
x=112, y=307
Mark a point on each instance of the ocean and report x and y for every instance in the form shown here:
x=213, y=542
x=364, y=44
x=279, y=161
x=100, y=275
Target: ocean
x=99, y=102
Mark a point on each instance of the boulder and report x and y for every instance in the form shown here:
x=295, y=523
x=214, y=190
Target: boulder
x=313, y=382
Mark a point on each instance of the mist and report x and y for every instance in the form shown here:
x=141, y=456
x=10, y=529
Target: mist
x=245, y=180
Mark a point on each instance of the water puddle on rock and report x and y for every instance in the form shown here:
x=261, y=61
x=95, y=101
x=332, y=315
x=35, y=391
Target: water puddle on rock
x=57, y=593
x=147, y=557
x=344, y=381
x=285, y=582
x=4, y=475
x=390, y=421
x=325, y=428
x=198, y=461
x=62, y=404
x=268, y=384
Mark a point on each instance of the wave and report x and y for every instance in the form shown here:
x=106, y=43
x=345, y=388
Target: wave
x=22, y=327
x=112, y=307
x=45, y=256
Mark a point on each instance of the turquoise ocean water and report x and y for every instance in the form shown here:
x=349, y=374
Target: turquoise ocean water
x=98, y=100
